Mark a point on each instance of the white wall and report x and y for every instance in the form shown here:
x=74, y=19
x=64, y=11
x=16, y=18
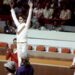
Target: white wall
x=6, y=38
x=51, y=38
x=54, y=35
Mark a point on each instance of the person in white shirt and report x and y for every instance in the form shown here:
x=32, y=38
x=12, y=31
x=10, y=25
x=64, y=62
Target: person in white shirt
x=48, y=12
x=21, y=32
x=38, y=11
x=65, y=14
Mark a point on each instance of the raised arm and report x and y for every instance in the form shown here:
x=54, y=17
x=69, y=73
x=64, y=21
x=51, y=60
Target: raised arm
x=30, y=13
x=14, y=17
x=13, y=14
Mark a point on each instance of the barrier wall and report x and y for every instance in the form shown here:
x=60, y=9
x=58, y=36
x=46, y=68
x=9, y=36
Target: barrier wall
x=49, y=38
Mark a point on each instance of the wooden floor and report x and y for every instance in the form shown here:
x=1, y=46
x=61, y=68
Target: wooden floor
x=42, y=61
x=53, y=62
x=44, y=66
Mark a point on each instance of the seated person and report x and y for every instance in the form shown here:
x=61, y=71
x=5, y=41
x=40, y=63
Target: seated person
x=65, y=15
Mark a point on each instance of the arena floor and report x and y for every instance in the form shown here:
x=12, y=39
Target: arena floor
x=44, y=66
x=42, y=61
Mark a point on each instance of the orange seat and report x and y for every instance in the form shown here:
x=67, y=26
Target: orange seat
x=29, y=47
x=65, y=50
x=3, y=47
x=3, y=44
x=40, y=48
x=52, y=49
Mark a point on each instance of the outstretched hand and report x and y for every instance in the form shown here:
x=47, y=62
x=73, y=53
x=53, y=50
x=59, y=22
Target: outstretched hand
x=11, y=3
x=30, y=3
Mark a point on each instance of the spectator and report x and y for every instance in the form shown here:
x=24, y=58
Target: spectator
x=25, y=68
x=18, y=9
x=48, y=12
x=12, y=53
x=35, y=22
x=9, y=29
x=65, y=14
x=38, y=11
x=10, y=67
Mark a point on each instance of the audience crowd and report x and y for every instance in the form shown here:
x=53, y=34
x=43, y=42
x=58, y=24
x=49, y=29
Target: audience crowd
x=47, y=14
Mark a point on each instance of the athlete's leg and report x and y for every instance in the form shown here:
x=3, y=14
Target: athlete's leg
x=19, y=49
x=24, y=48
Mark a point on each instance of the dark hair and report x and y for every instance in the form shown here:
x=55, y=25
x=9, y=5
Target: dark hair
x=26, y=62
x=14, y=39
x=21, y=15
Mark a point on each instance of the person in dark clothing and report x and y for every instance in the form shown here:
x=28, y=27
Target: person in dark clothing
x=9, y=28
x=25, y=68
x=6, y=28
